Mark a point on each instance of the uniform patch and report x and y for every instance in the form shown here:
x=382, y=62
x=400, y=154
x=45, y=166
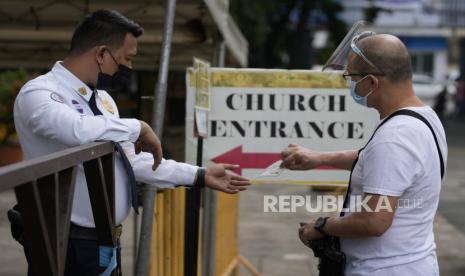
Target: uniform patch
x=78, y=106
x=108, y=106
x=57, y=98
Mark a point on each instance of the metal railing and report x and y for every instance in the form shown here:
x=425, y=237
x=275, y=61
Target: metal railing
x=44, y=189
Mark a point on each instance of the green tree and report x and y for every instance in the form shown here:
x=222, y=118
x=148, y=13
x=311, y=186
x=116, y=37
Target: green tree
x=10, y=84
x=280, y=32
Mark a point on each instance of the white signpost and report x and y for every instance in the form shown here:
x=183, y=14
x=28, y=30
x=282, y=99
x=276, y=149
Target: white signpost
x=255, y=113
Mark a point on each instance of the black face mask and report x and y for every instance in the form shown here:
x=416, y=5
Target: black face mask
x=120, y=80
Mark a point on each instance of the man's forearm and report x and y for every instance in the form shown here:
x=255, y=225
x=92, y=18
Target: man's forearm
x=339, y=159
x=351, y=226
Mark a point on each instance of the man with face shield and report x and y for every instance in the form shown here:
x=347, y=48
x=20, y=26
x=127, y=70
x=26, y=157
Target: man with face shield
x=397, y=174
x=72, y=105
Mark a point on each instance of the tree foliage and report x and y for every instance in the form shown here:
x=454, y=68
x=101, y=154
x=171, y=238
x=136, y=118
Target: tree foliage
x=280, y=32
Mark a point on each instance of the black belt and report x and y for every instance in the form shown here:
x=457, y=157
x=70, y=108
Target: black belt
x=86, y=233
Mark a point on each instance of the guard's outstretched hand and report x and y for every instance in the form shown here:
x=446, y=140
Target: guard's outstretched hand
x=218, y=178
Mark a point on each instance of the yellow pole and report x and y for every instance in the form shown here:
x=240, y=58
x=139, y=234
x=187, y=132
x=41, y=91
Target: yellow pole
x=160, y=239
x=167, y=234
x=180, y=207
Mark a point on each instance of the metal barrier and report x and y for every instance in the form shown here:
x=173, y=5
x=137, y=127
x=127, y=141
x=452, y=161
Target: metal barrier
x=167, y=250
x=167, y=247
x=44, y=189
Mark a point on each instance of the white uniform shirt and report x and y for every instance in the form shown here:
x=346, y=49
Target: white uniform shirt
x=401, y=160
x=51, y=113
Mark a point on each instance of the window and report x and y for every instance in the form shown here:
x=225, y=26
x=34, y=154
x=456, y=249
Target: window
x=422, y=63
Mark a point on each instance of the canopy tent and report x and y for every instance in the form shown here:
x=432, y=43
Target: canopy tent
x=36, y=33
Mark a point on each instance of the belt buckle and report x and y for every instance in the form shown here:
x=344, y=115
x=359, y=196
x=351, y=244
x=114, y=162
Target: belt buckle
x=117, y=230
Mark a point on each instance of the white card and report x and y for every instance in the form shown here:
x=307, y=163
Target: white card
x=273, y=169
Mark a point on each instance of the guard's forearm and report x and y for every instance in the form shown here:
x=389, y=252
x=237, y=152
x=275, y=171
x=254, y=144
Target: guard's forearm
x=339, y=159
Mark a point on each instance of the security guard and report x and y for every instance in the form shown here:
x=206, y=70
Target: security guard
x=70, y=106
x=395, y=178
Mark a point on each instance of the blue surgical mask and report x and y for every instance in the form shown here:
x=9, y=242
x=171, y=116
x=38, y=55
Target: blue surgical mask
x=362, y=100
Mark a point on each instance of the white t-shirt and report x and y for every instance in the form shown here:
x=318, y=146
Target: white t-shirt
x=401, y=160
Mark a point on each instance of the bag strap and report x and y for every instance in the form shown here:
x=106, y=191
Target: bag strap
x=414, y=114
x=406, y=112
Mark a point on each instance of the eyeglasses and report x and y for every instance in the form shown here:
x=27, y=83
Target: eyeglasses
x=348, y=77
x=360, y=54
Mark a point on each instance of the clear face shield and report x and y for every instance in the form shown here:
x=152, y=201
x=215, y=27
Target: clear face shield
x=339, y=59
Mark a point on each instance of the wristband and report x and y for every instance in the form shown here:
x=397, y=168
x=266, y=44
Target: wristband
x=200, y=178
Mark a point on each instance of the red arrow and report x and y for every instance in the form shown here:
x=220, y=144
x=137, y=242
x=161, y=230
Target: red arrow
x=248, y=160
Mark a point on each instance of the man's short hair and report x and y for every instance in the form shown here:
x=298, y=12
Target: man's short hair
x=102, y=27
x=394, y=62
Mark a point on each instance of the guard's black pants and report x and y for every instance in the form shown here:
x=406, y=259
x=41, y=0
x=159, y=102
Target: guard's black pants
x=82, y=259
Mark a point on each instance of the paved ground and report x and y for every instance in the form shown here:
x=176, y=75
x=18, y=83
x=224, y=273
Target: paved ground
x=270, y=242
x=12, y=261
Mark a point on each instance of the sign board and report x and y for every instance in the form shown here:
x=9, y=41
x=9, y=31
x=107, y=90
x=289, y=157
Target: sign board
x=202, y=84
x=201, y=79
x=256, y=113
